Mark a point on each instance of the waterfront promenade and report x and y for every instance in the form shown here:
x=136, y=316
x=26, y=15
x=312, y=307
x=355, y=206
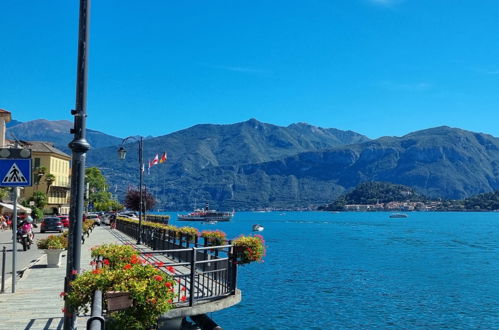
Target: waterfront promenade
x=36, y=303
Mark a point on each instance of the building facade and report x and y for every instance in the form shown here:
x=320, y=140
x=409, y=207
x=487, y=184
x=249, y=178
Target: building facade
x=55, y=180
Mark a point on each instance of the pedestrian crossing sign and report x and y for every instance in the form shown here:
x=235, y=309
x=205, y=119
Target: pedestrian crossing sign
x=15, y=172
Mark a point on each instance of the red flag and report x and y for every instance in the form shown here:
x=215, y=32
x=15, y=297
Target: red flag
x=163, y=158
x=155, y=160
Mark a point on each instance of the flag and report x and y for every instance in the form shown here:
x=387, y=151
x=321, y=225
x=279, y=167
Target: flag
x=155, y=160
x=163, y=158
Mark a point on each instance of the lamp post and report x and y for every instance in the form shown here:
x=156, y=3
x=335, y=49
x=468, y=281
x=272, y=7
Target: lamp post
x=79, y=146
x=122, y=155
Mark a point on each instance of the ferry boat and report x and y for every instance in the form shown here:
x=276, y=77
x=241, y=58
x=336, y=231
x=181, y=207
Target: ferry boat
x=206, y=215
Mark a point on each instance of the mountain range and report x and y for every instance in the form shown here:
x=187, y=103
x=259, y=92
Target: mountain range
x=57, y=132
x=252, y=165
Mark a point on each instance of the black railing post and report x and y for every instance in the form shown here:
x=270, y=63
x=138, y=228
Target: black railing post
x=233, y=267
x=193, y=276
x=3, y=269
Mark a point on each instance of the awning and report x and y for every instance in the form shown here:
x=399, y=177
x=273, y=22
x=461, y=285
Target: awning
x=6, y=207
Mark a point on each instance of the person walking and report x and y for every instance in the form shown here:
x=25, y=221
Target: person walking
x=3, y=223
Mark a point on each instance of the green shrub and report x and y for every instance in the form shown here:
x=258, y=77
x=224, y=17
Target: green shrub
x=151, y=290
x=53, y=242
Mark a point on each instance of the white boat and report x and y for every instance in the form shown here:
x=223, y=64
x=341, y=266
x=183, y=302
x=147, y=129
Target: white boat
x=257, y=227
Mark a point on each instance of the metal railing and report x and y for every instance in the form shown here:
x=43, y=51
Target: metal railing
x=203, y=272
x=96, y=320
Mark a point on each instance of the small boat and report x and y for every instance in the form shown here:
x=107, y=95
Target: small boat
x=398, y=215
x=257, y=227
x=206, y=215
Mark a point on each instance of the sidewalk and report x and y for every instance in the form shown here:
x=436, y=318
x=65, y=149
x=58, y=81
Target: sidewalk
x=36, y=303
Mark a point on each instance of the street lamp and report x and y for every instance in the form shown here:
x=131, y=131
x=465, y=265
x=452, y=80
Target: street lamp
x=122, y=155
x=79, y=147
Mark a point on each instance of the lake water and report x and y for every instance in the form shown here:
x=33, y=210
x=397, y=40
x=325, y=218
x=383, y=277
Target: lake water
x=364, y=270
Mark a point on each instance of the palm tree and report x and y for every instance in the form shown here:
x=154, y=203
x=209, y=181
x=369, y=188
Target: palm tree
x=49, y=179
x=39, y=172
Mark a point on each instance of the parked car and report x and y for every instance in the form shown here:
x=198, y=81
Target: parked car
x=51, y=224
x=64, y=220
x=94, y=217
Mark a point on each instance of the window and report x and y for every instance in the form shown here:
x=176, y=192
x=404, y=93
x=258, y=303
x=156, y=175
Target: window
x=37, y=162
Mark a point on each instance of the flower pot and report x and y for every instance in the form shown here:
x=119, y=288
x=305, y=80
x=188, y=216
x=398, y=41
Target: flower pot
x=53, y=257
x=117, y=300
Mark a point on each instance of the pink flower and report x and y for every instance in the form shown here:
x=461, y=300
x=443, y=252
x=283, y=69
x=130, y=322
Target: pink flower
x=105, y=261
x=127, y=266
x=158, y=278
x=62, y=294
x=184, y=298
x=171, y=269
x=74, y=272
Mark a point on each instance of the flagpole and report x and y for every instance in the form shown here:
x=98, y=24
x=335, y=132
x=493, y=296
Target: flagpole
x=141, y=203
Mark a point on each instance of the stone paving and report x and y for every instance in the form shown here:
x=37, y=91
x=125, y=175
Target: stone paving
x=36, y=303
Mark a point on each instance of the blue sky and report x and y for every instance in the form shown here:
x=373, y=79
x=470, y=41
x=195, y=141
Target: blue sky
x=377, y=67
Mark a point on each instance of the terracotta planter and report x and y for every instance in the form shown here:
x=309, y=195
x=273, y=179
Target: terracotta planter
x=53, y=257
x=117, y=300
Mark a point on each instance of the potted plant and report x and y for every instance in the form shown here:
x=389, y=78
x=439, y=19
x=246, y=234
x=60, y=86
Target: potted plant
x=146, y=291
x=214, y=237
x=53, y=246
x=190, y=233
x=249, y=249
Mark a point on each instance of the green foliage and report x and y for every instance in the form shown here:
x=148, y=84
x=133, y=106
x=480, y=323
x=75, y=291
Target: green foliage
x=98, y=195
x=49, y=179
x=376, y=192
x=483, y=202
x=40, y=199
x=53, y=242
x=214, y=237
x=151, y=290
x=249, y=249
x=95, y=179
x=39, y=173
x=118, y=255
x=190, y=233
x=4, y=192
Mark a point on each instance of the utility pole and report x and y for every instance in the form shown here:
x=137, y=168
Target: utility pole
x=79, y=147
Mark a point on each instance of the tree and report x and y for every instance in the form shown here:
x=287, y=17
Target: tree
x=39, y=173
x=4, y=192
x=132, y=200
x=40, y=199
x=49, y=179
x=98, y=196
x=95, y=179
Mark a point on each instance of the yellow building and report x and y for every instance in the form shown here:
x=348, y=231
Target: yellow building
x=57, y=164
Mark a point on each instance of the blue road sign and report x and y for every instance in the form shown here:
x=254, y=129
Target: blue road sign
x=15, y=172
